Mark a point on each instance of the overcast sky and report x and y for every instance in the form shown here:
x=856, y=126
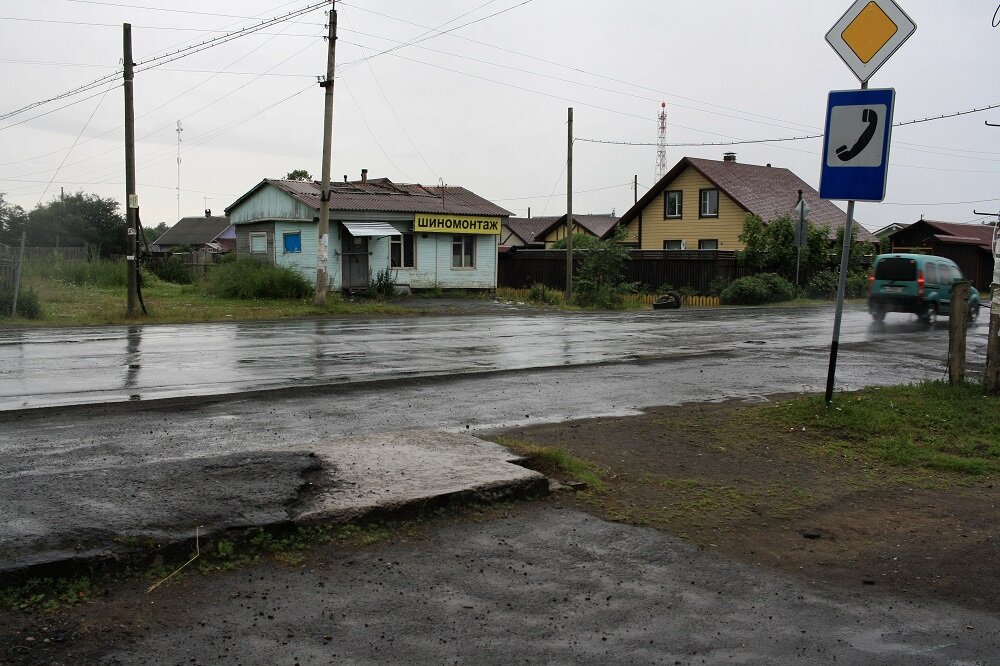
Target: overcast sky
x=483, y=106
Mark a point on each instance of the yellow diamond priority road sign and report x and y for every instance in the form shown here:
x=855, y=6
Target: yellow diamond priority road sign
x=868, y=34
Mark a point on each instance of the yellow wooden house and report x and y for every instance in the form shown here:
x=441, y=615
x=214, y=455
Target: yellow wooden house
x=701, y=205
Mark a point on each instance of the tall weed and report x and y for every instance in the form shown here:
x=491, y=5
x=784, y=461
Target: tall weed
x=249, y=278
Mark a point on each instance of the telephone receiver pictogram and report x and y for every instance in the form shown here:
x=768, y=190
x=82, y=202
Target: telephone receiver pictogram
x=867, y=116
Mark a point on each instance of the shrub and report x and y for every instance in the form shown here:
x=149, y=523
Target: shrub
x=758, y=289
x=248, y=278
x=27, y=303
x=173, y=269
x=599, y=280
x=717, y=285
x=382, y=284
x=539, y=293
x=824, y=285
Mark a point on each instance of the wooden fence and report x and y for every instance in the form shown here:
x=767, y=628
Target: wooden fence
x=70, y=253
x=8, y=267
x=650, y=269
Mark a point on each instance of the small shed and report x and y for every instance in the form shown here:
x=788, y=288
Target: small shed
x=427, y=237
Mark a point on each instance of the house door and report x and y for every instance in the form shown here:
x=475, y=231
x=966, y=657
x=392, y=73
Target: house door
x=354, y=256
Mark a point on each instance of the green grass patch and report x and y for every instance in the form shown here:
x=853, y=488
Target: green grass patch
x=46, y=594
x=932, y=425
x=556, y=462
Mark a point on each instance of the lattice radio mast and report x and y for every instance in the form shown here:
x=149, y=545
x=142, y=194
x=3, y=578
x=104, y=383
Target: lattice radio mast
x=661, y=144
x=179, y=130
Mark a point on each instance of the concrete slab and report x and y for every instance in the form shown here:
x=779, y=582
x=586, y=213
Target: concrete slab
x=80, y=517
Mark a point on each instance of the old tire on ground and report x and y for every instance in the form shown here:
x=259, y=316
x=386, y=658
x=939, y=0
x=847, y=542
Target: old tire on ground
x=668, y=301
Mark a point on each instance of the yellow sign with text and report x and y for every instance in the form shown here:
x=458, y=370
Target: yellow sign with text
x=456, y=224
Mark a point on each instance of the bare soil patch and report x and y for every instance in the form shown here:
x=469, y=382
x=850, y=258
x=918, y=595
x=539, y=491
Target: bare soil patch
x=711, y=475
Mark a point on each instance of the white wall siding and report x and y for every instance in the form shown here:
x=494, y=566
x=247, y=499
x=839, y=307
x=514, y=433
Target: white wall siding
x=433, y=269
x=305, y=262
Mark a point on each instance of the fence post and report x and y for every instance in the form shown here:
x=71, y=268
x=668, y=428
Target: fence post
x=17, y=277
x=957, y=327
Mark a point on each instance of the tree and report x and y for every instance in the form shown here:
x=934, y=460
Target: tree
x=600, y=275
x=13, y=220
x=153, y=234
x=78, y=219
x=299, y=174
x=770, y=248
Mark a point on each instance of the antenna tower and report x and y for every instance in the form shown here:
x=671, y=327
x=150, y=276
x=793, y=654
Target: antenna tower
x=179, y=130
x=661, y=144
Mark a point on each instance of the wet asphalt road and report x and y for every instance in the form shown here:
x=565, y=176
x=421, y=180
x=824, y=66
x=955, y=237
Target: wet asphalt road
x=106, y=364
x=539, y=586
x=743, y=354
x=544, y=586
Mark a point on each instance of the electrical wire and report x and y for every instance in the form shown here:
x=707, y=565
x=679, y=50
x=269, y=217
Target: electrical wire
x=790, y=138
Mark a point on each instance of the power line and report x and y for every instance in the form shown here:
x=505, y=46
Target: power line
x=789, y=138
x=157, y=61
x=543, y=196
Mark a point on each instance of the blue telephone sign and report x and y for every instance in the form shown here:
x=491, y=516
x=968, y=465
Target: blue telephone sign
x=856, y=144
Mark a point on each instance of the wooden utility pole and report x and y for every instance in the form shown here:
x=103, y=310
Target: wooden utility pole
x=131, y=200
x=323, y=230
x=958, y=324
x=17, y=276
x=569, y=207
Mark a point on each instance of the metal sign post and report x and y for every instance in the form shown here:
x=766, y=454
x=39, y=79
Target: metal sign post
x=858, y=126
x=801, y=234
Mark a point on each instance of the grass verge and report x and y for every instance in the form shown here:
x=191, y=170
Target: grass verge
x=555, y=462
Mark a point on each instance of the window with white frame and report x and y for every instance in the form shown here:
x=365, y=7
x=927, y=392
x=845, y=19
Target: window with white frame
x=463, y=251
x=401, y=252
x=709, y=203
x=673, y=204
x=258, y=242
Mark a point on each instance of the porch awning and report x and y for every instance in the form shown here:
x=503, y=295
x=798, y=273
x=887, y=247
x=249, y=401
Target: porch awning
x=370, y=229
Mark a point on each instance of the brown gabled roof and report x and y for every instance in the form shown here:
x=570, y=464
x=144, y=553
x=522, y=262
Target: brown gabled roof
x=382, y=195
x=539, y=227
x=194, y=231
x=768, y=192
x=528, y=229
x=980, y=235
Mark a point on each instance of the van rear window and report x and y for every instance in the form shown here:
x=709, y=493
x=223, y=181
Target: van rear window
x=896, y=268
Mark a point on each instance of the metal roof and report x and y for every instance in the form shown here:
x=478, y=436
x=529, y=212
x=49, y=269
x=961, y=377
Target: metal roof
x=382, y=195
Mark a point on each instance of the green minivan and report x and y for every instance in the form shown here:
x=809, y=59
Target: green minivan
x=916, y=283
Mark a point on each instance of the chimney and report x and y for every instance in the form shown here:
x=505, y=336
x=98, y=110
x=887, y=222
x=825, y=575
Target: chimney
x=364, y=175
x=208, y=212
x=729, y=157
x=345, y=177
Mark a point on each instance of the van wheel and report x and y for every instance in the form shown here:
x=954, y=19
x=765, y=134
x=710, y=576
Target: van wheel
x=878, y=314
x=973, y=311
x=929, y=315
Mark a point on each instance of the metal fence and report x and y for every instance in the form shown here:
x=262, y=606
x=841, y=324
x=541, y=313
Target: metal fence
x=651, y=269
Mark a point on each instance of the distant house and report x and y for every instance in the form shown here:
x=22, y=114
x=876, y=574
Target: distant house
x=886, y=231
x=544, y=232
x=701, y=205
x=429, y=237
x=968, y=245
x=211, y=232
